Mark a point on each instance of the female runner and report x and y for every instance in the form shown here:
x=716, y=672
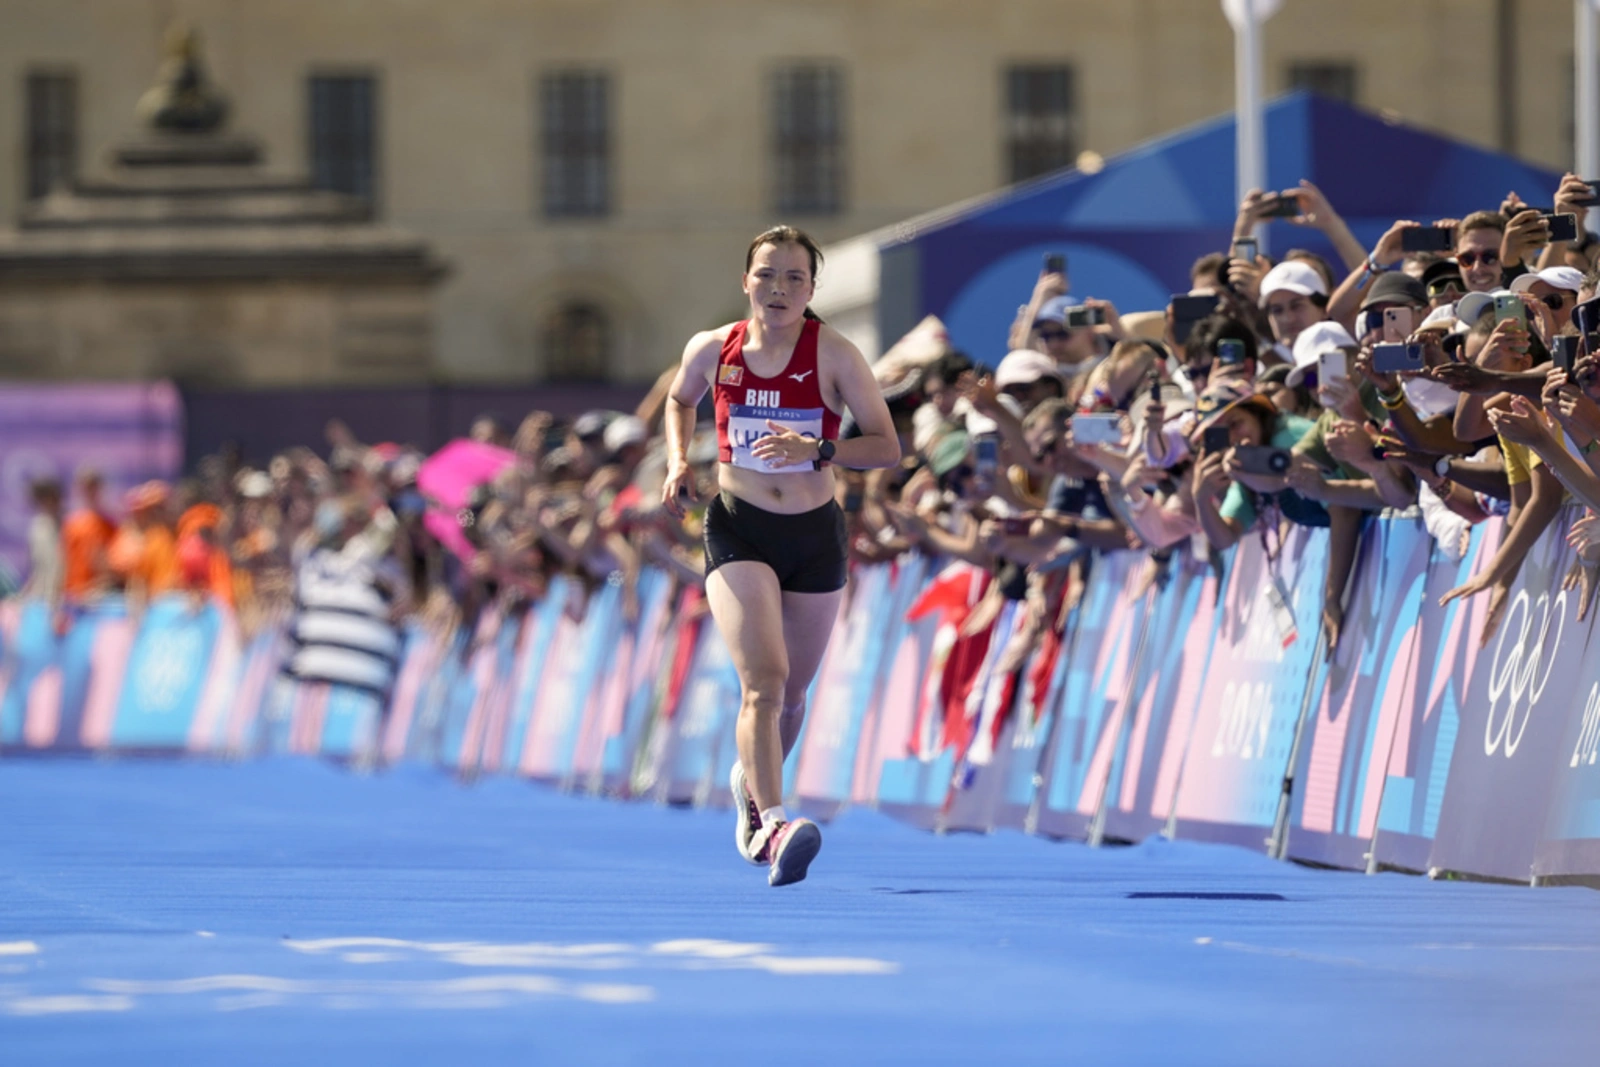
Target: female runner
x=775, y=545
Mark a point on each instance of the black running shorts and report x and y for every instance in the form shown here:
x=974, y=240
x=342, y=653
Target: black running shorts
x=806, y=551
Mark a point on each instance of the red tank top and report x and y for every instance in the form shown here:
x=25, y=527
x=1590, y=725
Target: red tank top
x=745, y=401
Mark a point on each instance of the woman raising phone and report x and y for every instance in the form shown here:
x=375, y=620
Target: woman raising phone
x=775, y=546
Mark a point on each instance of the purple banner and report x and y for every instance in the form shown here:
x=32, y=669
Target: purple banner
x=130, y=433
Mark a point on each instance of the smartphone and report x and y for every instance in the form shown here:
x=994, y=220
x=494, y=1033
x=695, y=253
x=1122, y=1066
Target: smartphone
x=1371, y=322
x=1262, y=459
x=1510, y=306
x=1427, y=239
x=1245, y=248
x=1230, y=352
x=1562, y=227
x=1215, y=439
x=1593, y=198
x=1566, y=352
x=1097, y=429
x=1082, y=316
x=1055, y=263
x=1397, y=358
x=1155, y=390
x=1398, y=323
x=986, y=457
x=1013, y=526
x=852, y=501
x=1587, y=316
x=1332, y=364
x=1280, y=206
x=1188, y=310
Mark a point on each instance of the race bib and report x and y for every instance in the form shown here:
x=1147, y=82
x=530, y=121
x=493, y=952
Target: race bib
x=747, y=424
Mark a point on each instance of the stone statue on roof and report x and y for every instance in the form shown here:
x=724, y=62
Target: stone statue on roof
x=182, y=100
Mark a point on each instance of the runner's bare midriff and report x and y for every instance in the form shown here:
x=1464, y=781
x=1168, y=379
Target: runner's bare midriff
x=790, y=493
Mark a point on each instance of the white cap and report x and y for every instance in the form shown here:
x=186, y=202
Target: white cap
x=1568, y=278
x=1312, y=342
x=1023, y=367
x=1296, y=277
x=1443, y=318
x=623, y=431
x=1471, y=306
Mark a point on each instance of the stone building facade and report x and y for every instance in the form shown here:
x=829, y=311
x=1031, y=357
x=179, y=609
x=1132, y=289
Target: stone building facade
x=591, y=170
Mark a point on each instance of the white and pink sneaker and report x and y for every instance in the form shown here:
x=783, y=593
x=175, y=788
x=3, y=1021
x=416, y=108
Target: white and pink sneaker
x=746, y=815
x=788, y=849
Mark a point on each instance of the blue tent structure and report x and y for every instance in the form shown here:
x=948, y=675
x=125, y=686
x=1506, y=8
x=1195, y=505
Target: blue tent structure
x=1131, y=230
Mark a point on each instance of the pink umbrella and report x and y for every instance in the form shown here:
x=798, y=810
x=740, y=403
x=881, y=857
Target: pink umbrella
x=447, y=479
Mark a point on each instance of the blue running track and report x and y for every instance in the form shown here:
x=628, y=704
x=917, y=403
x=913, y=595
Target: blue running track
x=290, y=912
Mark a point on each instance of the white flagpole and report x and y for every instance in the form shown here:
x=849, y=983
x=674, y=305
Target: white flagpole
x=1250, y=165
x=1586, y=81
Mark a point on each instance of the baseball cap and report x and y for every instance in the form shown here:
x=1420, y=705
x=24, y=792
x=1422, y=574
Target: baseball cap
x=1312, y=342
x=947, y=454
x=1438, y=273
x=624, y=431
x=590, y=425
x=1024, y=367
x=1055, y=310
x=1296, y=277
x=1219, y=399
x=1396, y=287
x=1440, y=318
x=1568, y=278
x=1471, y=306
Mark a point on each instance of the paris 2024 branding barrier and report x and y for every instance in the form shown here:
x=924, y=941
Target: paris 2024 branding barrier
x=1184, y=696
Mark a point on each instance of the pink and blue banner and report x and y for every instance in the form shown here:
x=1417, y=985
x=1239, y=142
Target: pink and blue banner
x=1349, y=732
x=1262, y=661
x=1514, y=719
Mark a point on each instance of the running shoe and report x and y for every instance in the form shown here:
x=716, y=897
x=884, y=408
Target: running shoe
x=788, y=848
x=747, y=817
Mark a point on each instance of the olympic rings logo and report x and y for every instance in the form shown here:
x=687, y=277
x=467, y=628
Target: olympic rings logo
x=1517, y=670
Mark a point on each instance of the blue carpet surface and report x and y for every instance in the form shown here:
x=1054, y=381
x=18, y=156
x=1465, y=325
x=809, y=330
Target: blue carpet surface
x=291, y=912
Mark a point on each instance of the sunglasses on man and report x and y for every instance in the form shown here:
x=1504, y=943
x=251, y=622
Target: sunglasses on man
x=1054, y=335
x=1555, y=301
x=1470, y=258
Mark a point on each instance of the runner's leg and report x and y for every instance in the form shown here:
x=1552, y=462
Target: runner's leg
x=748, y=608
x=808, y=621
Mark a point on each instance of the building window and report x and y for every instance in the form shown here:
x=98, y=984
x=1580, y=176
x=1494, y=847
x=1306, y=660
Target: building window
x=344, y=134
x=808, y=139
x=1336, y=81
x=577, y=343
x=1041, y=120
x=52, y=125
x=576, y=105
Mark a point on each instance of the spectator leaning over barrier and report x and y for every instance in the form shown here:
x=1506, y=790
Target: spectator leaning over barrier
x=85, y=537
x=1501, y=365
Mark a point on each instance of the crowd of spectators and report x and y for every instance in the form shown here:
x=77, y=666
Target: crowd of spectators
x=1461, y=380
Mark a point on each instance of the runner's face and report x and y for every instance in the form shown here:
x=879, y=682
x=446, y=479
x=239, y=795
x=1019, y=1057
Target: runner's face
x=779, y=284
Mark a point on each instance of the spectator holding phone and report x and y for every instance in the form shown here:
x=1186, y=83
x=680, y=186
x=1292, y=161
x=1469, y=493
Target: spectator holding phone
x=1556, y=288
x=1232, y=475
x=1294, y=296
x=1074, y=348
x=1302, y=206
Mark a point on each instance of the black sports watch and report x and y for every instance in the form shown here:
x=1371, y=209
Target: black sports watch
x=825, y=450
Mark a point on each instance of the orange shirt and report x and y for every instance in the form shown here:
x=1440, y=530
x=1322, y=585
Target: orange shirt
x=84, y=539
